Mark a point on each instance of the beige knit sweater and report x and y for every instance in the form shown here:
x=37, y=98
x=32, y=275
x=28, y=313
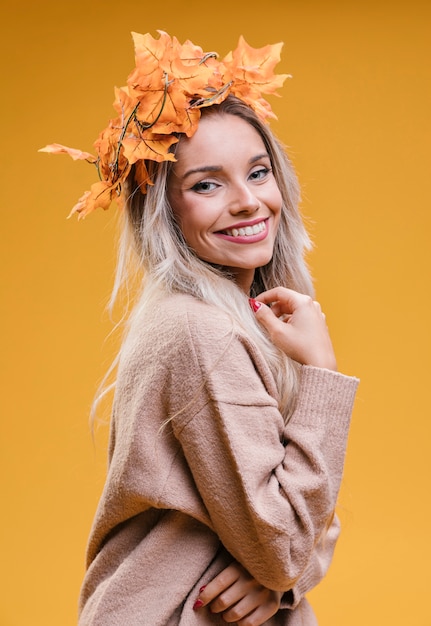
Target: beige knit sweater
x=223, y=479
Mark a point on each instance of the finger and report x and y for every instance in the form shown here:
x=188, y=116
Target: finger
x=279, y=311
x=218, y=585
x=226, y=603
x=255, y=609
x=243, y=592
x=283, y=296
x=244, y=606
x=273, y=322
x=259, y=616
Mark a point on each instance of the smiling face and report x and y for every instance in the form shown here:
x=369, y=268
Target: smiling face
x=225, y=197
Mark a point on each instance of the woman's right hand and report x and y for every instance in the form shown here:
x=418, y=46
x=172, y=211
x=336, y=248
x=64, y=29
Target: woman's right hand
x=238, y=597
x=296, y=325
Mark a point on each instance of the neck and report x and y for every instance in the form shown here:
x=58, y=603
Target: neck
x=242, y=277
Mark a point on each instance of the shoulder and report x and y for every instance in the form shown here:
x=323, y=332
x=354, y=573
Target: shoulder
x=186, y=317
x=192, y=311
x=178, y=343
x=178, y=324
x=180, y=330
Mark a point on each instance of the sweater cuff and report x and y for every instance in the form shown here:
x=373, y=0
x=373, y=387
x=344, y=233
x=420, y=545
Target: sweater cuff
x=324, y=395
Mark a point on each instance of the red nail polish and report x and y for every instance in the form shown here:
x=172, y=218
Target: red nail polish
x=198, y=604
x=255, y=305
x=202, y=588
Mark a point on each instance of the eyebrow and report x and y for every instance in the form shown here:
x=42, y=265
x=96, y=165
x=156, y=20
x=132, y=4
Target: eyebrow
x=204, y=168
x=217, y=168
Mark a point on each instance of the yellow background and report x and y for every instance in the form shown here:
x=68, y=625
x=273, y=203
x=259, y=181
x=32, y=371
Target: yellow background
x=356, y=118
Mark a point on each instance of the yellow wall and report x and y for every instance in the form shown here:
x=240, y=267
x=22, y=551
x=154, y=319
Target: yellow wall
x=356, y=118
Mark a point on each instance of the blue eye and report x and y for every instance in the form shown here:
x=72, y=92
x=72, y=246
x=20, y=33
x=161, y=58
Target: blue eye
x=204, y=186
x=260, y=173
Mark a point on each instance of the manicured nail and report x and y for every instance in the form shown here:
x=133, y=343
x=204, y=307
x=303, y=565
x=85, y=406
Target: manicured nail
x=198, y=604
x=255, y=305
x=202, y=588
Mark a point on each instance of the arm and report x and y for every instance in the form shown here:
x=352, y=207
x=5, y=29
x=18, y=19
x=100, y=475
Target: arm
x=297, y=326
x=241, y=599
x=316, y=569
x=258, y=602
x=234, y=592
x=269, y=489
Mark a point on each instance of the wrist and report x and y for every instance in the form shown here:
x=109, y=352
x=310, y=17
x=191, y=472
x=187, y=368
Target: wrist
x=326, y=362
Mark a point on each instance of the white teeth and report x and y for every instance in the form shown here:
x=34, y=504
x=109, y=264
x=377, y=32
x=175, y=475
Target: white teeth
x=247, y=231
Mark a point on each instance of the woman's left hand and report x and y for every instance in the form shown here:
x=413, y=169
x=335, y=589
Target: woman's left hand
x=295, y=323
x=239, y=597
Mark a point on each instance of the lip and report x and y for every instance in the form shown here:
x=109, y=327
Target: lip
x=246, y=223
x=245, y=238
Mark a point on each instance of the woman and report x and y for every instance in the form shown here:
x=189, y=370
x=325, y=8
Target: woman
x=229, y=422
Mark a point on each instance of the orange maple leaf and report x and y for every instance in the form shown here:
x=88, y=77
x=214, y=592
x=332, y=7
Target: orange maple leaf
x=251, y=72
x=150, y=52
x=152, y=146
x=100, y=196
x=142, y=178
x=256, y=65
x=58, y=148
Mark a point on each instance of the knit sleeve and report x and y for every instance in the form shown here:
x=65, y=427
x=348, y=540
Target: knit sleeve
x=270, y=490
x=316, y=569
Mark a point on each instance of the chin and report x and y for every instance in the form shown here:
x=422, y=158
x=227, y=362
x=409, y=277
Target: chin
x=261, y=261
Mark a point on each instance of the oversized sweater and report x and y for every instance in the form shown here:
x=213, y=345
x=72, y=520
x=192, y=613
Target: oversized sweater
x=203, y=470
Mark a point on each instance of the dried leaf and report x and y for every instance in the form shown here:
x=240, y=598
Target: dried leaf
x=57, y=148
x=100, y=196
x=153, y=147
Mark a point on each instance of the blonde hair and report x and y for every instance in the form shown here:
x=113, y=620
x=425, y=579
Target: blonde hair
x=151, y=243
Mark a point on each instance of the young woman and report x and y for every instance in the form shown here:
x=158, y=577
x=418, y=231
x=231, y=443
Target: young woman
x=229, y=422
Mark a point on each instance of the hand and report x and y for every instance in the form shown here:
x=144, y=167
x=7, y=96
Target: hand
x=239, y=597
x=296, y=324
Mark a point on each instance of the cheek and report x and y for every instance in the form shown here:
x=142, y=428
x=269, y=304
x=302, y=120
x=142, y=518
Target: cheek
x=181, y=211
x=272, y=197
x=175, y=204
x=190, y=222
x=276, y=203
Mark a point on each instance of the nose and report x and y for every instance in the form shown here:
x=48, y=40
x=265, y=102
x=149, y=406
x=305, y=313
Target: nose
x=243, y=200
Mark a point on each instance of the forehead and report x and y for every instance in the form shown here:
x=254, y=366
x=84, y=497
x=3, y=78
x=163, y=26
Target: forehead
x=219, y=138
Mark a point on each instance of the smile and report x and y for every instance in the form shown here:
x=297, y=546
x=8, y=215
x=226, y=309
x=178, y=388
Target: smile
x=247, y=231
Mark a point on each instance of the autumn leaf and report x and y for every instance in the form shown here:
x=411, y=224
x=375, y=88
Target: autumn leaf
x=142, y=178
x=251, y=72
x=150, y=53
x=124, y=104
x=151, y=105
x=256, y=65
x=100, y=196
x=176, y=116
x=57, y=148
x=153, y=147
x=152, y=60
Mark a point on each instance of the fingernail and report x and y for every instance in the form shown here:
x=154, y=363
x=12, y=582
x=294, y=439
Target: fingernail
x=198, y=604
x=255, y=305
x=202, y=588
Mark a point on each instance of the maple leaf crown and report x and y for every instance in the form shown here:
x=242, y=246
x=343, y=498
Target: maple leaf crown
x=162, y=99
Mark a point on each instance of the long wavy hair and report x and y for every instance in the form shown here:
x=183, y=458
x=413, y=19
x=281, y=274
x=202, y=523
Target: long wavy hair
x=152, y=246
